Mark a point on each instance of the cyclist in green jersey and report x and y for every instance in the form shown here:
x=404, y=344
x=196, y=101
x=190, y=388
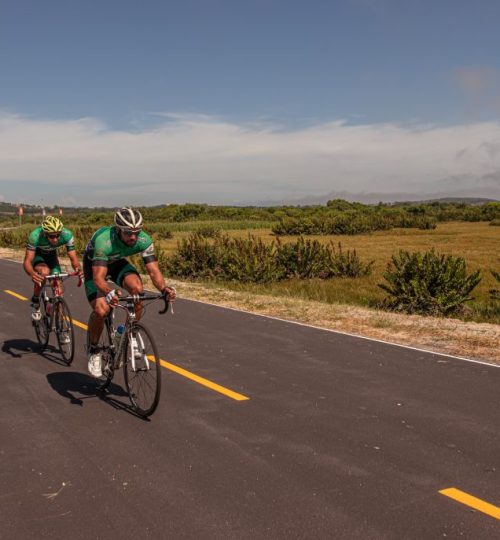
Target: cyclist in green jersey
x=41, y=259
x=105, y=257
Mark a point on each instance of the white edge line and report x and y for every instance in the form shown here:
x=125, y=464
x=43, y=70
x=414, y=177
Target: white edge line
x=427, y=351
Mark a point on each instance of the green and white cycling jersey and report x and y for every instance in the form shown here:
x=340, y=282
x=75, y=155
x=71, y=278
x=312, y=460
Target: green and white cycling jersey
x=38, y=242
x=105, y=247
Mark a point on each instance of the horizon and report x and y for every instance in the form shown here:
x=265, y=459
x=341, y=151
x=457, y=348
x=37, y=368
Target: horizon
x=442, y=200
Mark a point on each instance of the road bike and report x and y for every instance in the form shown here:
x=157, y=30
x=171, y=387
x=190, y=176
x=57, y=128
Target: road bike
x=135, y=351
x=55, y=316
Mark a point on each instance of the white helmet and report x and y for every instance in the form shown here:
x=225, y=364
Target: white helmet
x=128, y=218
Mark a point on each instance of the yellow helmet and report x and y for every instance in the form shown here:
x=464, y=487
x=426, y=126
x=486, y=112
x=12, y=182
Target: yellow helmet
x=52, y=224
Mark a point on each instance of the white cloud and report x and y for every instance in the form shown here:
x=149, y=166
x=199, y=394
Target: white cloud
x=191, y=158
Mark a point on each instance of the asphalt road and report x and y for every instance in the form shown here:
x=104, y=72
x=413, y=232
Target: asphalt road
x=340, y=437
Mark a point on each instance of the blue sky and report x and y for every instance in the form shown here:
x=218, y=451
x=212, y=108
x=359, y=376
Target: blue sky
x=244, y=101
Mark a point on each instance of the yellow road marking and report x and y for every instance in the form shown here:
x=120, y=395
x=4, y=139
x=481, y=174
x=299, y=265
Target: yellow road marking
x=473, y=502
x=15, y=294
x=79, y=324
x=172, y=367
x=200, y=380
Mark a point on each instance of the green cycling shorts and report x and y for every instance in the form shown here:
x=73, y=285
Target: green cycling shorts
x=50, y=259
x=116, y=273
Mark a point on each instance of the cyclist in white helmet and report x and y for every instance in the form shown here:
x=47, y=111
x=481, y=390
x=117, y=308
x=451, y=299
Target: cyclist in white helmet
x=105, y=258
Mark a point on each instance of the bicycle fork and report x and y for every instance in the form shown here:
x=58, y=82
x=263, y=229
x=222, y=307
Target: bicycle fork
x=137, y=352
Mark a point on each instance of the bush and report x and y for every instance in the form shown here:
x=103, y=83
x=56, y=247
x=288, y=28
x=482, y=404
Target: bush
x=429, y=284
x=251, y=260
x=164, y=235
x=208, y=231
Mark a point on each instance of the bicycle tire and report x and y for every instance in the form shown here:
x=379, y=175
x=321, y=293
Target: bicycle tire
x=43, y=326
x=144, y=383
x=64, y=326
x=107, y=355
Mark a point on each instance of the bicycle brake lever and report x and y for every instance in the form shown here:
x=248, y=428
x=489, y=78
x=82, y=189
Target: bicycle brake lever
x=167, y=305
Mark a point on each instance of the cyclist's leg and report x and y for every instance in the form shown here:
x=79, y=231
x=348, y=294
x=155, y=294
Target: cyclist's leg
x=44, y=264
x=41, y=264
x=44, y=270
x=131, y=281
x=96, y=299
x=96, y=324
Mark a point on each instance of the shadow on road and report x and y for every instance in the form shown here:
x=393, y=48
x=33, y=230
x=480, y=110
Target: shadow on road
x=17, y=348
x=77, y=387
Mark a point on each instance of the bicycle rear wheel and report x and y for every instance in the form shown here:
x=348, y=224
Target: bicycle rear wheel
x=142, y=370
x=65, y=332
x=42, y=326
x=108, y=356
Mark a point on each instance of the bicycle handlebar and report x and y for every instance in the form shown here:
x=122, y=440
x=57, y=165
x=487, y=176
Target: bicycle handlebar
x=144, y=296
x=65, y=275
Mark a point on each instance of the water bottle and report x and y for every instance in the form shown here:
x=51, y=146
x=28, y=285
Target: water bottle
x=118, y=335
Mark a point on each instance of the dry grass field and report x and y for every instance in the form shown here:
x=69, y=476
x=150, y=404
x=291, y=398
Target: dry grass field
x=477, y=243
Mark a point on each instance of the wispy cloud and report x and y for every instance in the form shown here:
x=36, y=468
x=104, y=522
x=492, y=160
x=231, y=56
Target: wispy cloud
x=481, y=86
x=204, y=158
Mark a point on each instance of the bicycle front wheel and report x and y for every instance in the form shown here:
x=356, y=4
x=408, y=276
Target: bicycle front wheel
x=65, y=332
x=142, y=370
x=42, y=326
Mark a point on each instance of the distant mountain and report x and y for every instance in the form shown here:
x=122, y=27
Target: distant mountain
x=456, y=200
x=374, y=198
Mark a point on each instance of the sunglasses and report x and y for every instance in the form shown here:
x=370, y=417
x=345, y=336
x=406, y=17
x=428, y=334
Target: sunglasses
x=129, y=232
x=53, y=236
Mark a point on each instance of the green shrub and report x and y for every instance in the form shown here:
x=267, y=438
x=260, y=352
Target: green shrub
x=164, y=235
x=348, y=264
x=209, y=231
x=252, y=260
x=430, y=284
x=304, y=259
x=354, y=221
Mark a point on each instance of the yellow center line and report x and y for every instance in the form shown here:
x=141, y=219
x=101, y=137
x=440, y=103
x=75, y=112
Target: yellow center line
x=15, y=294
x=200, y=380
x=473, y=502
x=172, y=367
x=79, y=324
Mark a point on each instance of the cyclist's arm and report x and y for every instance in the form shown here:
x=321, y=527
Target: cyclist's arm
x=73, y=257
x=28, y=267
x=28, y=262
x=153, y=270
x=99, y=277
